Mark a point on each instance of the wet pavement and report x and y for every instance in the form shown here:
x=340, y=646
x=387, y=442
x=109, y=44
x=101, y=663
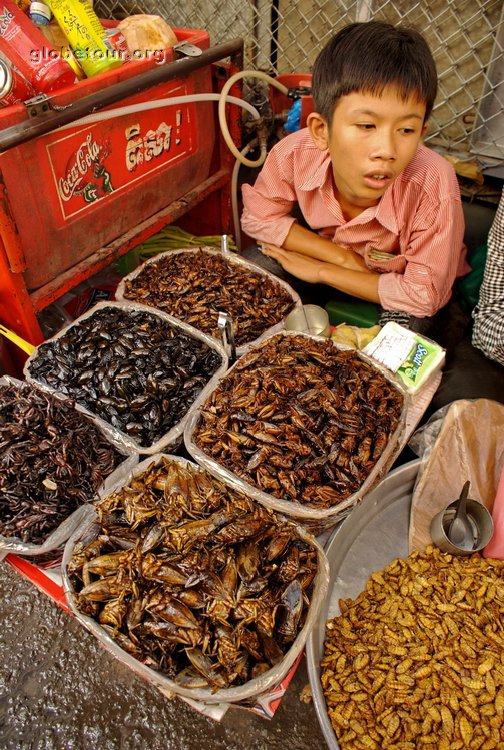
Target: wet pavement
x=60, y=690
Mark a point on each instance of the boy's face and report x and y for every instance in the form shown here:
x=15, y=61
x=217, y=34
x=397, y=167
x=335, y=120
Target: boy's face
x=370, y=141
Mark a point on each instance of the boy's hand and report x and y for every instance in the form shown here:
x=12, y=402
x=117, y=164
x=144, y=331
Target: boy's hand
x=312, y=245
x=300, y=266
x=361, y=283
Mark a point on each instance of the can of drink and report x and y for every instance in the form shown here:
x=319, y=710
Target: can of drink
x=118, y=42
x=13, y=87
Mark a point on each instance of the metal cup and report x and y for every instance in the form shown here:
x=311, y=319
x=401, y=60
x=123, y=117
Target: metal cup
x=480, y=519
x=309, y=319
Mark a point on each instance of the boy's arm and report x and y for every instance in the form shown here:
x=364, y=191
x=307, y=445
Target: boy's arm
x=311, y=244
x=358, y=282
x=268, y=203
x=433, y=255
x=418, y=280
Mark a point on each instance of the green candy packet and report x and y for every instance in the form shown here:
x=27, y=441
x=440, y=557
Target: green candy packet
x=412, y=357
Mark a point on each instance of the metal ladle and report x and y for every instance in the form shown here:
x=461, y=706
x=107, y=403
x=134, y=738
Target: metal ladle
x=225, y=325
x=460, y=531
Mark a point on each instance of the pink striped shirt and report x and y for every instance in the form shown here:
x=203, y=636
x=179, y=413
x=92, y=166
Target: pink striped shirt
x=418, y=223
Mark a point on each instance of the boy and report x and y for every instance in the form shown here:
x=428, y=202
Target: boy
x=385, y=215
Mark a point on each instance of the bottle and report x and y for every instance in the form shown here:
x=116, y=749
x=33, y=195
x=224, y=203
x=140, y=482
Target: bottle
x=14, y=88
x=41, y=14
x=119, y=43
x=86, y=36
x=27, y=48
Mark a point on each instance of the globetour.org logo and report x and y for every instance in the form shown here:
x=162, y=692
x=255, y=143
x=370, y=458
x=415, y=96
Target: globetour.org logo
x=5, y=18
x=44, y=54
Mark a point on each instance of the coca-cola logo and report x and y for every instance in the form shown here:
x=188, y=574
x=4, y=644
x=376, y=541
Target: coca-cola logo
x=5, y=18
x=84, y=172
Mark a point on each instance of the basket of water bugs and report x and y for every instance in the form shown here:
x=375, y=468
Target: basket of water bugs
x=197, y=588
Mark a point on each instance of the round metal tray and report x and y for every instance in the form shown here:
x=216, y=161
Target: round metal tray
x=374, y=534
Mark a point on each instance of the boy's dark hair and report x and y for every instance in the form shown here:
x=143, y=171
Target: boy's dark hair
x=369, y=56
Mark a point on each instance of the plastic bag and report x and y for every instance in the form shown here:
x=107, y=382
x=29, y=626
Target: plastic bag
x=467, y=288
x=462, y=441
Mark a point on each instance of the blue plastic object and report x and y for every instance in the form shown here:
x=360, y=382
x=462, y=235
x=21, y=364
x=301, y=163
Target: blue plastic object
x=294, y=117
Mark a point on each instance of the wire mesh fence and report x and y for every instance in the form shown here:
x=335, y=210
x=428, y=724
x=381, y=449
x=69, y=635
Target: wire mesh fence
x=281, y=36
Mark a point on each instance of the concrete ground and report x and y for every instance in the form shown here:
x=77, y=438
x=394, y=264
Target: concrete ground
x=59, y=690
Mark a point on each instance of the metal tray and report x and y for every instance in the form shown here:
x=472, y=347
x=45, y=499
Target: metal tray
x=373, y=535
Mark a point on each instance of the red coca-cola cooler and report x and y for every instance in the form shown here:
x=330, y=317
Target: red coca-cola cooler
x=75, y=196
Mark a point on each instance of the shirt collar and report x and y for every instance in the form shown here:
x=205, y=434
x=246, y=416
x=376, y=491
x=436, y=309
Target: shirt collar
x=384, y=212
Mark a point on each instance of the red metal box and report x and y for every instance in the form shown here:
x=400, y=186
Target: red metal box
x=77, y=188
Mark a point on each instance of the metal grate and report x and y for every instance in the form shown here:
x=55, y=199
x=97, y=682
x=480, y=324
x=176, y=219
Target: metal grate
x=466, y=37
